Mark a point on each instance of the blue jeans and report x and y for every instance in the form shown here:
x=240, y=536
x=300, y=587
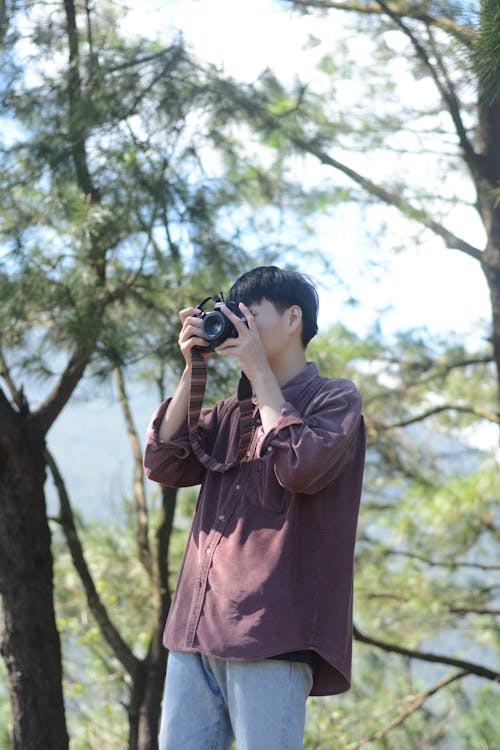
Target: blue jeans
x=208, y=702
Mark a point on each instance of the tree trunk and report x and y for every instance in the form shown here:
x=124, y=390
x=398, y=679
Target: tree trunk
x=489, y=202
x=145, y=701
x=30, y=643
x=488, y=185
x=491, y=267
x=147, y=690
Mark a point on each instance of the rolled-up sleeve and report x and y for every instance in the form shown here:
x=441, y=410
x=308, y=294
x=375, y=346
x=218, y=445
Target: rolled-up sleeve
x=310, y=451
x=171, y=463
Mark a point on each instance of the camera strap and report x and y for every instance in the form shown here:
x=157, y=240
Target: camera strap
x=196, y=395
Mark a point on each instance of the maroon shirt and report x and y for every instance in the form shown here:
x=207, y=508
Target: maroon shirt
x=268, y=565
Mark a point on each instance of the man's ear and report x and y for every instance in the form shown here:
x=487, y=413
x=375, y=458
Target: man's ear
x=295, y=317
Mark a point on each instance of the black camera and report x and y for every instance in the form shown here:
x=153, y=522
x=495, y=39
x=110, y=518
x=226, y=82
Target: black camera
x=215, y=327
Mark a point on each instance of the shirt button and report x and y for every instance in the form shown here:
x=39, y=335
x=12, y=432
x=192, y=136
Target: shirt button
x=269, y=449
x=221, y=518
x=249, y=453
x=208, y=550
x=238, y=486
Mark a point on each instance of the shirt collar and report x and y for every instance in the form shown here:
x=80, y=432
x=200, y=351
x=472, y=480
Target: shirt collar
x=308, y=372
x=290, y=387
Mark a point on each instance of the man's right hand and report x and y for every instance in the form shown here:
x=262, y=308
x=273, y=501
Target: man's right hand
x=190, y=334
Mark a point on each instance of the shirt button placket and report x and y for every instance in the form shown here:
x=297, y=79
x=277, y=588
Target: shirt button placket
x=199, y=594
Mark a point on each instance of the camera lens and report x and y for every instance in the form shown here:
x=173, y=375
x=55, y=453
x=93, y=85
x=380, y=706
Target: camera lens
x=213, y=326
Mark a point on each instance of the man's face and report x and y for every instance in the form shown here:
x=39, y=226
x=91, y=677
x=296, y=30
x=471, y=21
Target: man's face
x=273, y=327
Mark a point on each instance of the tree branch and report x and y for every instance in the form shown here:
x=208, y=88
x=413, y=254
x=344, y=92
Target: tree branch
x=141, y=509
x=53, y=404
x=77, y=136
x=446, y=91
x=127, y=64
x=255, y=109
x=452, y=564
x=465, y=34
x=50, y=408
x=392, y=199
x=434, y=370
x=413, y=703
x=16, y=393
x=474, y=610
x=162, y=570
x=467, y=666
x=476, y=411
x=6, y=410
x=177, y=55
x=4, y=20
x=118, y=646
x=443, y=368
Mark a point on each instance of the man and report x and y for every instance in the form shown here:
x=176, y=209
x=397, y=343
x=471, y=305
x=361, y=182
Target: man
x=262, y=614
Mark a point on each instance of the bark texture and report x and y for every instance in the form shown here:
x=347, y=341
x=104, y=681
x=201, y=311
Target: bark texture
x=30, y=643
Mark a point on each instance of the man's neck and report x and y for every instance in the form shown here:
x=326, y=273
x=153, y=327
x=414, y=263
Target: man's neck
x=285, y=369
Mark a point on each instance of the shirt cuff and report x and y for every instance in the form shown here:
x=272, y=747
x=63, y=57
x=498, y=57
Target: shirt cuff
x=289, y=415
x=179, y=444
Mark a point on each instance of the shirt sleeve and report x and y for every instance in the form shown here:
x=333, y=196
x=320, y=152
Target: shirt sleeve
x=173, y=463
x=311, y=451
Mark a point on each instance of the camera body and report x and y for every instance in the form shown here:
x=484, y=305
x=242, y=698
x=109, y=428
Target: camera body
x=215, y=327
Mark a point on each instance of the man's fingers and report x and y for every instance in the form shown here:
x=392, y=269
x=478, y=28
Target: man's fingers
x=188, y=332
x=250, y=318
x=235, y=319
x=189, y=312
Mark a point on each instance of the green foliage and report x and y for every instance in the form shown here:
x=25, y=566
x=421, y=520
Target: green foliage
x=487, y=51
x=96, y=687
x=121, y=583
x=66, y=252
x=5, y=735
x=477, y=727
x=427, y=551
x=103, y=262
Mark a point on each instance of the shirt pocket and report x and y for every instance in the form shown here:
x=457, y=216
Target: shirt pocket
x=263, y=489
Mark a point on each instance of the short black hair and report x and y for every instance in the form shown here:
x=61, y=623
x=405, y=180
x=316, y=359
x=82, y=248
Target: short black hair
x=283, y=288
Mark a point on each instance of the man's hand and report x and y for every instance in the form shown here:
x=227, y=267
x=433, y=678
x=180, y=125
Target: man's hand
x=247, y=347
x=249, y=351
x=190, y=334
